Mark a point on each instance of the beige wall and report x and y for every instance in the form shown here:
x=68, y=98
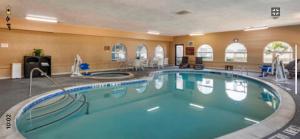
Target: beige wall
x=63, y=48
x=63, y=42
x=255, y=41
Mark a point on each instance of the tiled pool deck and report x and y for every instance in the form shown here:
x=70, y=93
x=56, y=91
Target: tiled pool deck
x=15, y=91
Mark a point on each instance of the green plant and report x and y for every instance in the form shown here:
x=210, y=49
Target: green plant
x=37, y=52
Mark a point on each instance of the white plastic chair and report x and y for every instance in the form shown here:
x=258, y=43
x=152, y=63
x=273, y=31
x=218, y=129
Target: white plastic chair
x=137, y=64
x=144, y=63
x=153, y=62
x=160, y=63
x=166, y=61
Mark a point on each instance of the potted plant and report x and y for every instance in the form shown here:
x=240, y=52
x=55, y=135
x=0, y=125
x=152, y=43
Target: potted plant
x=37, y=52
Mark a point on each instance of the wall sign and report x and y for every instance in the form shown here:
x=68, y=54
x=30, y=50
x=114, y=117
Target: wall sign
x=189, y=51
x=106, y=48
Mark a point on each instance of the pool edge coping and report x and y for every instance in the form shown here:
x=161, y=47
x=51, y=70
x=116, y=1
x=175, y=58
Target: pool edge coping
x=282, y=116
x=129, y=76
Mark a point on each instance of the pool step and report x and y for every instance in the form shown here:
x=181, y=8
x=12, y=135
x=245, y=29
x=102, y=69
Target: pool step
x=51, y=108
x=74, y=108
x=51, y=102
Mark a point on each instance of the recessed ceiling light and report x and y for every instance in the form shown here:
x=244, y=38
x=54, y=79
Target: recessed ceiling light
x=41, y=18
x=153, y=32
x=256, y=28
x=196, y=34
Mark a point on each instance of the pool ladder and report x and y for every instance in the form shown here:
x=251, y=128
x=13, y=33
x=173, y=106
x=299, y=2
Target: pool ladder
x=50, y=79
x=84, y=101
x=242, y=69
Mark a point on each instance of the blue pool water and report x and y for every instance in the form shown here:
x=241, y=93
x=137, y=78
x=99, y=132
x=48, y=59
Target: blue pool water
x=174, y=105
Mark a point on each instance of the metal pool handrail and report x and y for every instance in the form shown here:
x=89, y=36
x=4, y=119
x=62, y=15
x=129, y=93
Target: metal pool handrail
x=83, y=103
x=61, y=88
x=242, y=69
x=44, y=74
x=50, y=79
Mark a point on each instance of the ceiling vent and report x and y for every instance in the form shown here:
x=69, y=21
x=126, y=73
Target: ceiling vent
x=183, y=12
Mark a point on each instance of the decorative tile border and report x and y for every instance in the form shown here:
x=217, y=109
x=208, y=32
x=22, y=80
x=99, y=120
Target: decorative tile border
x=76, y=89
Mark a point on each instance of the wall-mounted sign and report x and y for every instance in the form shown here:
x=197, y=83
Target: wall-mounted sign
x=106, y=48
x=189, y=51
x=190, y=43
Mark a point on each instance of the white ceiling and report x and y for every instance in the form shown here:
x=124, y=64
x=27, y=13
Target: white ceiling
x=142, y=15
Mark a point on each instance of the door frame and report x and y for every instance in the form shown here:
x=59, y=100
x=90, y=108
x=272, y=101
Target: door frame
x=176, y=52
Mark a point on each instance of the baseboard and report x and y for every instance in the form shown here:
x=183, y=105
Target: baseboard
x=219, y=68
x=4, y=78
x=61, y=73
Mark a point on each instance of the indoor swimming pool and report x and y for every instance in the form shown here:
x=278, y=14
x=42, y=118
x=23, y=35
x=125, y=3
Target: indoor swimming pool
x=173, y=104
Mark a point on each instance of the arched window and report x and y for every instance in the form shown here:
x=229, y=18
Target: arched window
x=119, y=52
x=141, y=52
x=283, y=49
x=206, y=52
x=236, y=52
x=159, y=52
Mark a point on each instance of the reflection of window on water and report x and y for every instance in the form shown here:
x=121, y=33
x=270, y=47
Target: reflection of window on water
x=236, y=89
x=141, y=88
x=205, y=86
x=119, y=92
x=270, y=98
x=179, y=81
x=159, y=82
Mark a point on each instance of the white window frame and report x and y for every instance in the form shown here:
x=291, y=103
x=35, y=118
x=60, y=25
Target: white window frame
x=138, y=52
x=230, y=51
x=201, y=53
x=289, y=51
x=117, y=54
x=156, y=50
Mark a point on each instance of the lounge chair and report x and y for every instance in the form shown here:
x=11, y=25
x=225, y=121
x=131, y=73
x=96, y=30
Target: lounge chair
x=184, y=62
x=199, y=65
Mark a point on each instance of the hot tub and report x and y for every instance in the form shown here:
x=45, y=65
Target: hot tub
x=110, y=75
